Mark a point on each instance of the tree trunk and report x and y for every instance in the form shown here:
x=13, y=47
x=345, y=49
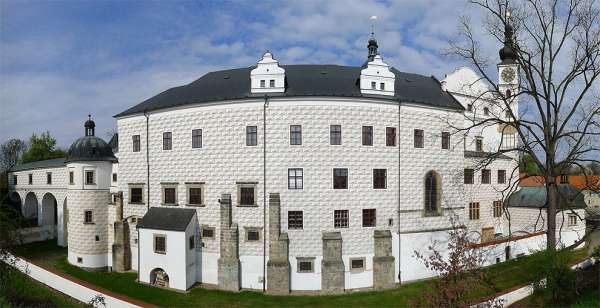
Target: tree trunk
x=552, y=199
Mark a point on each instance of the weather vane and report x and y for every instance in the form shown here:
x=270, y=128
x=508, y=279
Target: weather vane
x=373, y=19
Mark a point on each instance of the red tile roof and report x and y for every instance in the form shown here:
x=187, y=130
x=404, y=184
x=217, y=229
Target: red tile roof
x=580, y=181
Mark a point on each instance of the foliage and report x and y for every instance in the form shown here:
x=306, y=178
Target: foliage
x=460, y=273
x=594, y=168
x=42, y=148
x=9, y=238
x=10, y=153
x=527, y=165
x=556, y=281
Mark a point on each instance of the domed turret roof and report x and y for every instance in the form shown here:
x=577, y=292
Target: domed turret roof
x=90, y=147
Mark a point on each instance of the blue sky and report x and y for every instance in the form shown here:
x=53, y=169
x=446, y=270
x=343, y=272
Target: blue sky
x=61, y=60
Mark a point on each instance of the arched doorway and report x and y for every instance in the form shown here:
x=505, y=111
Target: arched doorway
x=49, y=210
x=159, y=278
x=30, y=209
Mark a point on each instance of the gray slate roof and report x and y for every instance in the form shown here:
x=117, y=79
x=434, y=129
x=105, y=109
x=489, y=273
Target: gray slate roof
x=570, y=197
x=301, y=80
x=90, y=148
x=114, y=143
x=48, y=163
x=167, y=218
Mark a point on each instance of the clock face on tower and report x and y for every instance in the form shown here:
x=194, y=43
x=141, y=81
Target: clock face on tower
x=508, y=74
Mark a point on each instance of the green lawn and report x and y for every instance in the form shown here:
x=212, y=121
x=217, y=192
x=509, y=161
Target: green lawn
x=505, y=275
x=33, y=293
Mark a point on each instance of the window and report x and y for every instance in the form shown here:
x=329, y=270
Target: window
x=295, y=220
x=335, y=134
x=251, y=137
x=208, y=232
x=196, y=138
x=497, y=205
x=15, y=179
x=79, y=260
x=572, y=220
x=340, y=178
x=135, y=195
x=295, y=178
x=382, y=86
x=160, y=244
x=379, y=178
x=97, y=238
x=432, y=193
x=367, y=135
x=486, y=111
x=295, y=134
x=262, y=83
x=114, y=177
x=89, y=178
x=357, y=264
x=136, y=143
x=501, y=176
x=246, y=195
x=30, y=179
x=49, y=178
x=272, y=83
x=390, y=136
x=252, y=234
x=418, y=138
x=509, y=141
x=71, y=177
x=479, y=144
x=305, y=265
x=88, y=217
x=474, y=210
x=340, y=219
x=486, y=176
x=195, y=195
x=470, y=107
x=369, y=218
x=169, y=195
x=564, y=179
x=373, y=85
x=167, y=141
x=191, y=242
x=445, y=140
x=469, y=176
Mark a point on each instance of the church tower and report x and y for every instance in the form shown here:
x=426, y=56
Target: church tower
x=508, y=69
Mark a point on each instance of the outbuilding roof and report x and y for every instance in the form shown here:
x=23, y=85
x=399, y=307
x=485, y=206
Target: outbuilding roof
x=570, y=197
x=48, y=163
x=301, y=80
x=167, y=218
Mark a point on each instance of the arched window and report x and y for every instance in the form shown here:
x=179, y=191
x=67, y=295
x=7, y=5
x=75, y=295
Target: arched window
x=432, y=193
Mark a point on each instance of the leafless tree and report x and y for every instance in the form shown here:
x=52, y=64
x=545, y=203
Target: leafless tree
x=556, y=45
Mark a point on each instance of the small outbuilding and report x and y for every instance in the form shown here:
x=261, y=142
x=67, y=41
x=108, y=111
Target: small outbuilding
x=167, y=236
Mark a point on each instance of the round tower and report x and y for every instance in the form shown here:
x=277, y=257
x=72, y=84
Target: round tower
x=89, y=166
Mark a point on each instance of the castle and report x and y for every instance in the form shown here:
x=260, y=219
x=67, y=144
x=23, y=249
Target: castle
x=290, y=178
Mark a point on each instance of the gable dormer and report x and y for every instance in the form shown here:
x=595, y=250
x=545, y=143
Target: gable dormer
x=268, y=76
x=376, y=78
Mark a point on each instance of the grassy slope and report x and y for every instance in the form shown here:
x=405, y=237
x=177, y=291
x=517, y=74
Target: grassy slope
x=505, y=275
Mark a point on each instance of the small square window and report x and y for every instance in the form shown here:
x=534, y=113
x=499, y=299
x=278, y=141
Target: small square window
x=191, y=242
x=357, y=264
x=262, y=83
x=88, y=217
x=252, y=234
x=379, y=178
x=497, y=208
x=390, y=136
x=136, y=143
x=89, y=178
x=305, y=265
x=97, y=238
x=373, y=85
x=79, y=260
x=295, y=220
x=479, y=144
x=469, y=176
x=160, y=244
x=572, y=220
x=247, y=195
x=167, y=141
x=501, y=176
x=295, y=178
x=114, y=177
x=196, y=138
x=195, y=195
x=208, y=232
x=474, y=210
x=486, y=111
x=335, y=134
x=340, y=219
x=470, y=107
x=382, y=86
x=295, y=134
x=71, y=177
x=445, y=140
x=486, y=176
x=15, y=179
x=136, y=195
x=272, y=83
x=169, y=195
x=369, y=217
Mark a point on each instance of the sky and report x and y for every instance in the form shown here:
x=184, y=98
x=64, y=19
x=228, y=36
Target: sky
x=60, y=60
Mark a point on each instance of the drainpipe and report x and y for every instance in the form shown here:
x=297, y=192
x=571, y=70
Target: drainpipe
x=265, y=191
x=399, y=178
x=147, y=165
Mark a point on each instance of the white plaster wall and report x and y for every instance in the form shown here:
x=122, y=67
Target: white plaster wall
x=305, y=281
x=88, y=260
x=251, y=271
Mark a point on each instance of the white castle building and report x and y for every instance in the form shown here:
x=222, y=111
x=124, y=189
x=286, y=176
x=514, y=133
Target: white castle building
x=288, y=177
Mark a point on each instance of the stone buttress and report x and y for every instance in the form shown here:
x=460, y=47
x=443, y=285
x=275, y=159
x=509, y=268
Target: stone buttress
x=383, y=260
x=121, y=252
x=332, y=265
x=229, y=262
x=278, y=266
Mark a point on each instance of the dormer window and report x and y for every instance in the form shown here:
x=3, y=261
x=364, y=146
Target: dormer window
x=373, y=85
x=486, y=111
x=262, y=83
x=267, y=70
x=382, y=86
x=375, y=76
x=470, y=107
x=272, y=83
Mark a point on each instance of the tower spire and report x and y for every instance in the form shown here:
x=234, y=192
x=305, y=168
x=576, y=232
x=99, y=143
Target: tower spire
x=89, y=126
x=372, y=46
x=507, y=53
